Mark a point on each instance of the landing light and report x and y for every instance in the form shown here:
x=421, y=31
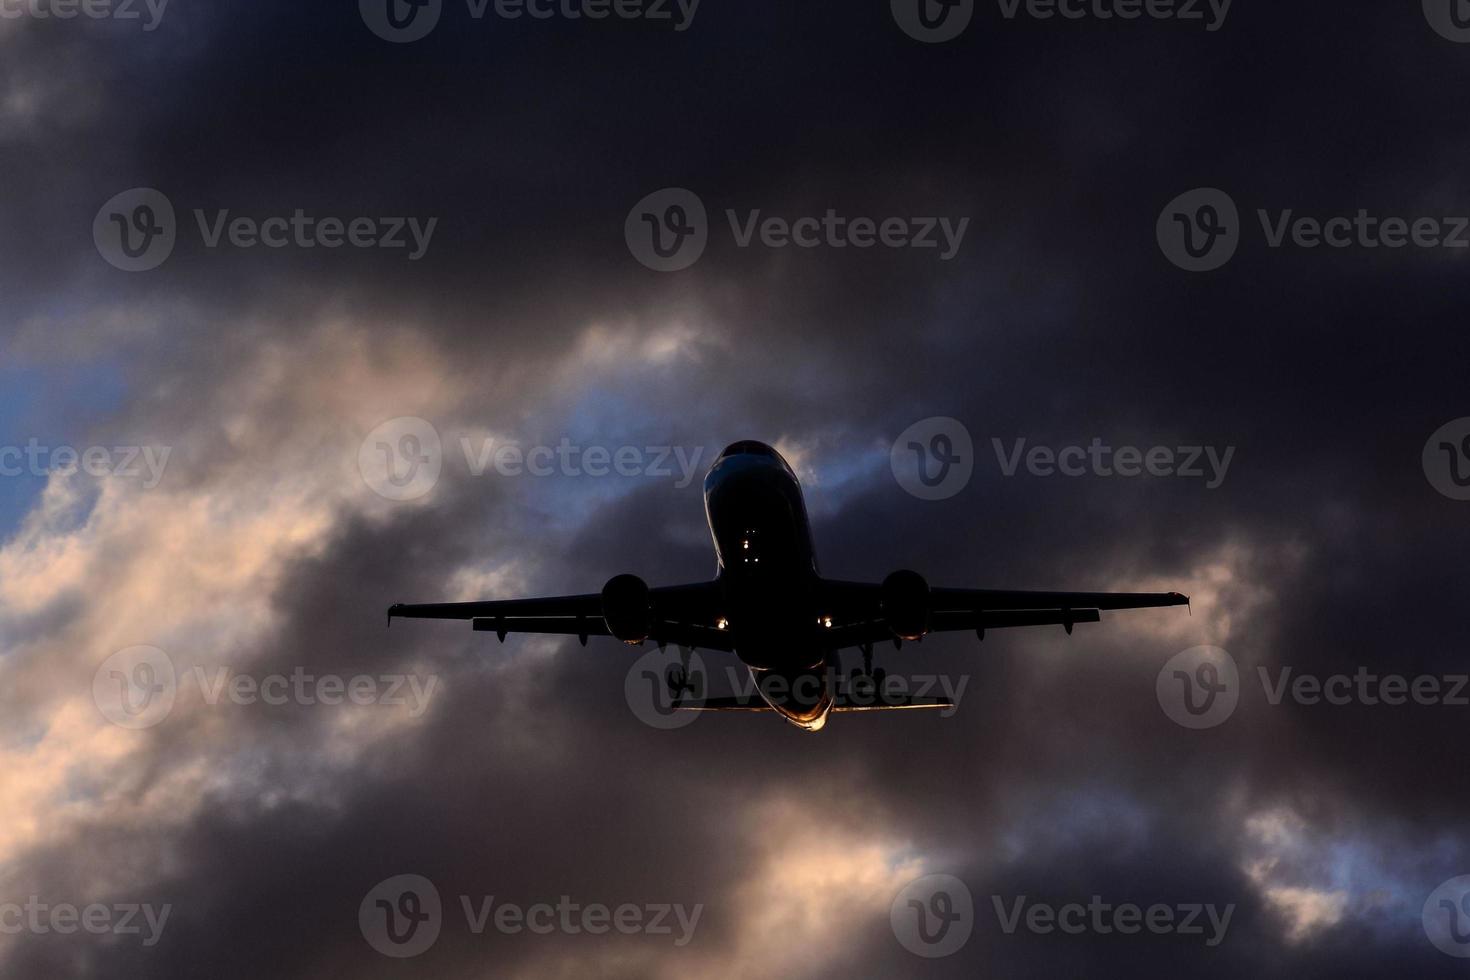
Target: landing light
x=825, y=621
x=722, y=623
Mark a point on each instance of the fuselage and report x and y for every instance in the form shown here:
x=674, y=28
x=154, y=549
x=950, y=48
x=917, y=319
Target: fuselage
x=768, y=579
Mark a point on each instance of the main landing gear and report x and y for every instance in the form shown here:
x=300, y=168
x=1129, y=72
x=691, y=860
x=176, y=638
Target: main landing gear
x=866, y=674
x=678, y=676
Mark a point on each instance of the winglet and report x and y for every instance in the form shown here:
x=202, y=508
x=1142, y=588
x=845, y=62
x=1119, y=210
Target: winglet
x=391, y=610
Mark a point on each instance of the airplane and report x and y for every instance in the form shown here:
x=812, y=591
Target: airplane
x=771, y=608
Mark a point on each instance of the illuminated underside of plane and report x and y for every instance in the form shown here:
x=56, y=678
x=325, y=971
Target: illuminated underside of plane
x=769, y=606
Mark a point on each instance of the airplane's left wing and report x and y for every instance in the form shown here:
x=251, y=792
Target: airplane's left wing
x=685, y=615
x=905, y=605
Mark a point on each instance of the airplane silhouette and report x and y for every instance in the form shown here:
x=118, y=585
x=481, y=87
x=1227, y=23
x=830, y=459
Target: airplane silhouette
x=770, y=607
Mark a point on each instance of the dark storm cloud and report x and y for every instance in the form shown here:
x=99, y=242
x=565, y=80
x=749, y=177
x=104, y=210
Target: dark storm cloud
x=1058, y=321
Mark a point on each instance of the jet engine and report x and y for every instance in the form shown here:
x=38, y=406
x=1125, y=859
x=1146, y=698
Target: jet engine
x=626, y=608
x=905, y=603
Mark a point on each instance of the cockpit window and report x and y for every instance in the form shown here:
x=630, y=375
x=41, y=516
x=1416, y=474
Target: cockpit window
x=749, y=447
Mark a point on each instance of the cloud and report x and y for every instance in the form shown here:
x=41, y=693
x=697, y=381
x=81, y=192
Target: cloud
x=264, y=551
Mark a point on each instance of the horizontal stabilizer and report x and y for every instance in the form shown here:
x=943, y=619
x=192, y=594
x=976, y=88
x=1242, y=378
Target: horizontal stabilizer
x=725, y=704
x=893, y=704
x=754, y=703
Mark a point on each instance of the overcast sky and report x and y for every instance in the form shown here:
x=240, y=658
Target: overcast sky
x=447, y=248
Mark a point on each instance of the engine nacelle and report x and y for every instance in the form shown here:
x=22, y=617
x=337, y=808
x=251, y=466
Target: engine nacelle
x=626, y=608
x=905, y=602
